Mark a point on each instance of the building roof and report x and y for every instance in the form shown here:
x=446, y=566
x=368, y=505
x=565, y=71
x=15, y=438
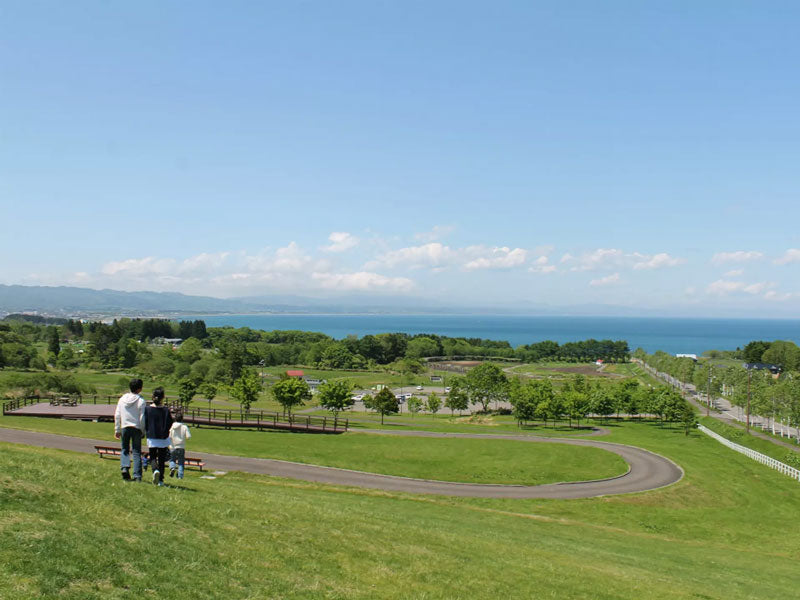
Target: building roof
x=294, y=373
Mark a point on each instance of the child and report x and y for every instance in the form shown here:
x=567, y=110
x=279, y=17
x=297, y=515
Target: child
x=178, y=434
x=158, y=420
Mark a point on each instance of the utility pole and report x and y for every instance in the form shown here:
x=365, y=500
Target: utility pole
x=708, y=392
x=749, y=373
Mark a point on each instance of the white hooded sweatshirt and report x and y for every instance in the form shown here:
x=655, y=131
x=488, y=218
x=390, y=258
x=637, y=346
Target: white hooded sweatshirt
x=129, y=413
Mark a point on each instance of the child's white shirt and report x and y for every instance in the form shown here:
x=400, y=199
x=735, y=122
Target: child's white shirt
x=178, y=434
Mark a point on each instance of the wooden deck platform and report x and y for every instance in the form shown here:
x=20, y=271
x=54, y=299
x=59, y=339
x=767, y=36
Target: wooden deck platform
x=226, y=419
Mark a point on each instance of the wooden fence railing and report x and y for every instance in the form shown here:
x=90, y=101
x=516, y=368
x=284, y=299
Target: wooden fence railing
x=263, y=419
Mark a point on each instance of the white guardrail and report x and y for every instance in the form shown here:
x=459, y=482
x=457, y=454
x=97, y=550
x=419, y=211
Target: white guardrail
x=762, y=458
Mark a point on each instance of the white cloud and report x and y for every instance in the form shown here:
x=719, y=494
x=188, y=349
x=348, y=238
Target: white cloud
x=790, y=256
x=340, y=241
x=756, y=288
x=614, y=258
x=362, y=281
x=658, y=261
x=494, y=258
x=139, y=266
x=723, y=287
x=607, y=280
x=285, y=269
x=434, y=255
x=721, y=258
x=735, y=273
x=540, y=265
x=780, y=297
x=437, y=233
x=600, y=258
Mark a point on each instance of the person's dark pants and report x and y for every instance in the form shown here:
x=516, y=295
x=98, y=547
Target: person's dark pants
x=158, y=456
x=131, y=437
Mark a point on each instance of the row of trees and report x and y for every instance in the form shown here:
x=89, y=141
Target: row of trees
x=773, y=397
x=126, y=343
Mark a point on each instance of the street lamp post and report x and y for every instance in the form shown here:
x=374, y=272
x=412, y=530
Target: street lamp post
x=749, y=373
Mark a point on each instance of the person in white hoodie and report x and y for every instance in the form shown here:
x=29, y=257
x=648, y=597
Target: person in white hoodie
x=129, y=427
x=178, y=434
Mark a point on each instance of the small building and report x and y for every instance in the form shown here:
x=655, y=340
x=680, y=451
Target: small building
x=313, y=383
x=692, y=356
x=774, y=369
x=294, y=373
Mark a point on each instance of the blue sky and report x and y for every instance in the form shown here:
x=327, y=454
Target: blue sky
x=515, y=154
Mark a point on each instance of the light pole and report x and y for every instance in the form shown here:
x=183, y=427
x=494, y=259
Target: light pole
x=749, y=373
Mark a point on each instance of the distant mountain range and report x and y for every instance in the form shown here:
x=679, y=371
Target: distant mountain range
x=75, y=301
x=66, y=301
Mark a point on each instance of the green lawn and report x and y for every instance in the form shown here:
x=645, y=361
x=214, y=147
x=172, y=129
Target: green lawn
x=462, y=424
x=464, y=460
x=728, y=530
x=740, y=436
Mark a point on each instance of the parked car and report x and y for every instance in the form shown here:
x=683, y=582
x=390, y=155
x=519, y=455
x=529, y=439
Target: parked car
x=419, y=388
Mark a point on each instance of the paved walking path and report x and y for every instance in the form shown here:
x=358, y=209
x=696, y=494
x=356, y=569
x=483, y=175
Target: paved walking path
x=647, y=471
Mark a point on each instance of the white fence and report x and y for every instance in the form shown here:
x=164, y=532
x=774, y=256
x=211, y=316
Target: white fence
x=762, y=458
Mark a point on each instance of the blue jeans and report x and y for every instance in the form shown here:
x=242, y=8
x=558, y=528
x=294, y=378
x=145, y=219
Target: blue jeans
x=131, y=436
x=178, y=456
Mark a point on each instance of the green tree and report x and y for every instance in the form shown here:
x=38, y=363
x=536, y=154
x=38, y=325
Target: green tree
x=336, y=396
x=384, y=402
x=457, y=398
x=187, y=388
x=601, y=402
x=522, y=401
x=486, y=383
x=420, y=347
x=688, y=418
x=190, y=350
x=414, y=405
x=291, y=392
x=433, y=403
x=246, y=389
x=754, y=351
x=208, y=391
x=783, y=353
x=53, y=341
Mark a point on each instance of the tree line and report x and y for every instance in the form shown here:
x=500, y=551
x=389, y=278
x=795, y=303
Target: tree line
x=774, y=397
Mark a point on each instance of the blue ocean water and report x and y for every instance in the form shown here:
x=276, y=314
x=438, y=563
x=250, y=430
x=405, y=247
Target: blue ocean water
x=668, y=334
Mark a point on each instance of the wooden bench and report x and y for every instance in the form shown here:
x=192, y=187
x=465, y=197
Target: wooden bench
x=188, y=461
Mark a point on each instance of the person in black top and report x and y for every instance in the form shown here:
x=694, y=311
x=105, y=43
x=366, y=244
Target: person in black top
x=157, y=422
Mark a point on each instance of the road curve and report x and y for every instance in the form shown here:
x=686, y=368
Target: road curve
x=647, y=470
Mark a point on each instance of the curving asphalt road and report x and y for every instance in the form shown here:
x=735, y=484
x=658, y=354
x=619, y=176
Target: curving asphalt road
x=647, y=470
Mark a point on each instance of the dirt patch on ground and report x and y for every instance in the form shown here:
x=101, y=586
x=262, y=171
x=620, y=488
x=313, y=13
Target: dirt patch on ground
x=590, y=370
x=460, y=363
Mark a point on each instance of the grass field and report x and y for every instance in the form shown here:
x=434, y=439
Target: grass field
x=727, y=530
x=463, y=460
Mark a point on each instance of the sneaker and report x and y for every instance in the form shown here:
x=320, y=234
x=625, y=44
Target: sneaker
x=126, y=474
x=160, y=484
x=172, y=472
x=156, y=477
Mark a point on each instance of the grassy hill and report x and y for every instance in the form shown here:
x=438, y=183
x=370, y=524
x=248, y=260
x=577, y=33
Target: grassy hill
x=70, y=529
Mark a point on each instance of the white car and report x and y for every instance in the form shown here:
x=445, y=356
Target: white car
x=419, y=388
x=358, y=397
x=447, y=389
